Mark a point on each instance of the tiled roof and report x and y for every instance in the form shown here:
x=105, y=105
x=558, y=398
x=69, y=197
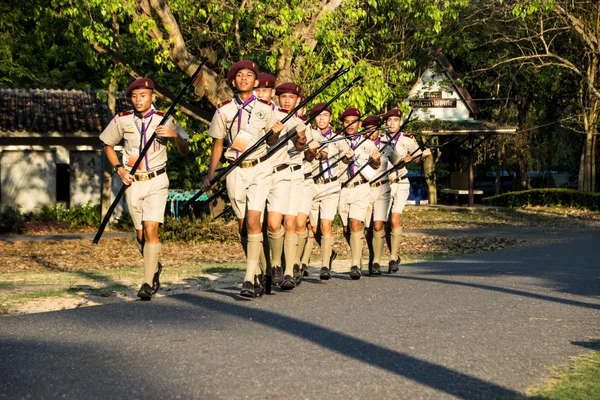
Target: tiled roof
x=62, y=111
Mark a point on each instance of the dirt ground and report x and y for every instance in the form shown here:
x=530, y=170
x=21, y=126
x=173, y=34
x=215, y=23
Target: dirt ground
x=54, y=275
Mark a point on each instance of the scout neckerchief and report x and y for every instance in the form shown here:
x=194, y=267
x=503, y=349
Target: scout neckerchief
x=395, y=139
x=328, y=172
x=142, y=132
x=241, y=105
x=353, y=142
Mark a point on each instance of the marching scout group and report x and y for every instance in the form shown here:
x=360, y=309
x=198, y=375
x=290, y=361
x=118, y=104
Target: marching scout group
x=294, y=189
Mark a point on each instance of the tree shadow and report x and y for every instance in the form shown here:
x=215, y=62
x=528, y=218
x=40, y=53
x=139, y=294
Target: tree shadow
x=593, y=344
x=435, y=376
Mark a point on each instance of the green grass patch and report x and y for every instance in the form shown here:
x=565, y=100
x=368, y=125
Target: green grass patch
x=580, y=380
x=547, y=197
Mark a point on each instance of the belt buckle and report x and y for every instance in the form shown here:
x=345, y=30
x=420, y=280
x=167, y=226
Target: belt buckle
x=246, y=164
x=142, y=177
x=320, y=180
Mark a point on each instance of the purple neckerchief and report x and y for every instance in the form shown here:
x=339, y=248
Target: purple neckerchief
x=326, y=135
x=353, y=142
x=240, y=112
x=143, y=132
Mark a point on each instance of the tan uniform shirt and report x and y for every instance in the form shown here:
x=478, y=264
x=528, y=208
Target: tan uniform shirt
x=282, y=155
x=335, y=151
x=251, y=120
x=362, y=154
x=404, y=146
x=131, y=128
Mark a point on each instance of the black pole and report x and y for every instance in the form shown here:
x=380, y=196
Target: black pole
x=164, y=120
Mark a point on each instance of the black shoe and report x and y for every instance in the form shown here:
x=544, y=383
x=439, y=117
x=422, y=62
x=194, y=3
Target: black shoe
x=355, y=272
x=393, y=267
x=304, y=270
x=376, y=269
x=325, y=274
x=145, y=292
x=277, y=277
x=288, y=283
x=260, y=282
x=297, y=275
x=247, y=289
x=156, y=279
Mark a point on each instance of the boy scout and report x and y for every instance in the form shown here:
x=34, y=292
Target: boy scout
x=242, y=121
x=404, y=145
x=287, y=189
x=379, y=201
x=326, y=187
x=147, y=191
x=354, y=197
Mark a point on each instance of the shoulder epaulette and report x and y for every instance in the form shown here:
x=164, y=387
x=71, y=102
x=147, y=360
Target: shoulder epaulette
x=159, y=113
x=123, y=113
x=264, y=102
x=224, y=103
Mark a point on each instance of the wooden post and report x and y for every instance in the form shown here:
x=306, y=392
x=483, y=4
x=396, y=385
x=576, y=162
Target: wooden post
x=107, y=170
x=471, y=177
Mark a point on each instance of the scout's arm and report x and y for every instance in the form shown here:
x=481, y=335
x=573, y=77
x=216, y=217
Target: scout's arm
x=113, y=159
x=175, y=137
x=215, y=157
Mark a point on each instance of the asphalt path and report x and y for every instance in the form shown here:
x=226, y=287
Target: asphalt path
x=483, y=326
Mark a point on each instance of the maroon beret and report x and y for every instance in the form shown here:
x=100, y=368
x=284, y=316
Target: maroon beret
x=240, y=65
x=140, y=83
x=394, y=112
x=372, y=120
x=266, y=80
x=288, y=87
x=317, y=109
x=350, y=112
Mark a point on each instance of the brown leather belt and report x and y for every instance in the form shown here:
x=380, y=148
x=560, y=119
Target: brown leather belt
x=377, y=184
x=357, y=183
x=280, y=168
x=147, y=176
x=395, y=180
x=252, y=163
x=295, y=167
x=308, y=175
x=323, y=181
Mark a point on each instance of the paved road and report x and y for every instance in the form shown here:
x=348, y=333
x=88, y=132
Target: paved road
x=479, y=327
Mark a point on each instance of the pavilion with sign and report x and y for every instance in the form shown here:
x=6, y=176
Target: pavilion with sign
x=444, y=108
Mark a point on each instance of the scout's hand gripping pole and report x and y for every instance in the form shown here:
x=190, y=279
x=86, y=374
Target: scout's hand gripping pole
x=143, y=153
x=389, y=142
x=259, y=143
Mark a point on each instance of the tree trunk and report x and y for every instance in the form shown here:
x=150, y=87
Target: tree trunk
x=430, y=177
x=587, y=167
x=107, y=170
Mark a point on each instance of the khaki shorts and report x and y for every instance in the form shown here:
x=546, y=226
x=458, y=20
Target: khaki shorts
x=354, y=202
x=296, y=191
x=279, y=193
x=325, y=201
x=147, y=200
x=400, y=191
x=379, y=204
x=307, y=197
x=247, y=188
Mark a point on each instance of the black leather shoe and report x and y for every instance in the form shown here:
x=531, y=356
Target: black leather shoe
x=376, y=269
x=393, y=267
x=304, y=270
x=277, y=277
x=288, y=283
x=156, y=279
x=259, y=285
x=297, y=275
x=355, y=272
x=145, y=292
x=325, y=274
x=247, y=289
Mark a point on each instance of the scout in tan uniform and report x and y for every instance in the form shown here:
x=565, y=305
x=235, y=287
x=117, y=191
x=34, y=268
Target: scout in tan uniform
x=354, y=197
x=327, y=186
x=404, y=145
x=379, y=202
x=146, y=195
x=242, y=121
